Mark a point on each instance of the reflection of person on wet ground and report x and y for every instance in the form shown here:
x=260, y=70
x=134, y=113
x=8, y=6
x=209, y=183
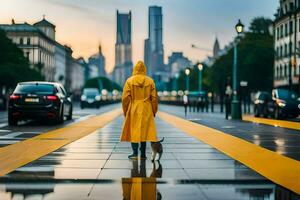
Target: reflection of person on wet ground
x=139, y=186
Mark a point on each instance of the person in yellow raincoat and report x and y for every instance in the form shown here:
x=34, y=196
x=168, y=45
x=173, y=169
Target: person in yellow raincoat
x=140, y=104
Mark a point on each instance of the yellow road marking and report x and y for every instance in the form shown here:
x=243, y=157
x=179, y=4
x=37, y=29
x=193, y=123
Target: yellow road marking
x=22, y=153
x=273, y=122
x=279, y=169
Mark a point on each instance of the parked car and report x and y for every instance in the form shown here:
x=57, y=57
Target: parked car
x=284, y=103
x=90, y=98
x=35, y=100
x=261, y=104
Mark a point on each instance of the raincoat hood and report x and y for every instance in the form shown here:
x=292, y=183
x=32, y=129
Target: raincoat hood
x=139, y=73
x=139, y=68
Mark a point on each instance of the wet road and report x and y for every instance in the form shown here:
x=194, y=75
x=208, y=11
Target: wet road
x=96, y=166
x=280, y=140
x=25, y=130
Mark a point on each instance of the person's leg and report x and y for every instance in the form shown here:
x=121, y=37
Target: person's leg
x=135, y=147
x=143, y=149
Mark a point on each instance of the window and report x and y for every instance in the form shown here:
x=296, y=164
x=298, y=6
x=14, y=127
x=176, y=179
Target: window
x=285, y=50
x=281, y=31
x=286, y=29
x=285, y=71
x=291, y=27
x=28, y=41
x=27, y=55
x=21, y=41
x=280, y=71
x=295, y=70
x=281, y=52
x=277, y=72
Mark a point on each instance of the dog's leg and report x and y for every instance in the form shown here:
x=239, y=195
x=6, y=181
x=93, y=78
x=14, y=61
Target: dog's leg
x=159, y=156
x=153, y=156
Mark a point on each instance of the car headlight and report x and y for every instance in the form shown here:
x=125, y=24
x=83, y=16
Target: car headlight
x=258, y=101
x=281, y=103
x=83, y=98
x=98, y=98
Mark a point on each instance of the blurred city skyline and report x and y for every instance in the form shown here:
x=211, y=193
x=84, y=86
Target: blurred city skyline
x=84, y=24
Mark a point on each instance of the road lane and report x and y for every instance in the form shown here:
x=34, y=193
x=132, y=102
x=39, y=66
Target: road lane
x=280, y=140
x=10, y=135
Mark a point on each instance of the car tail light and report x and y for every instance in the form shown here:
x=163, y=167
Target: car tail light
x=14, y=97
x=52, y=98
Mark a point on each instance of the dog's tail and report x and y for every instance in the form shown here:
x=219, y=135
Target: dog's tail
x=162, y=139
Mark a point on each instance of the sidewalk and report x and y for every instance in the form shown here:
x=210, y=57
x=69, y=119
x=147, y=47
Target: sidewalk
x=96, y=167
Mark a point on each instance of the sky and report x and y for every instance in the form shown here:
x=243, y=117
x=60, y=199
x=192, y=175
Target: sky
x=84, y=24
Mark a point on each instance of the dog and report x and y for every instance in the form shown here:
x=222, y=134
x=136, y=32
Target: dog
x=157, y=148
x=156, y=172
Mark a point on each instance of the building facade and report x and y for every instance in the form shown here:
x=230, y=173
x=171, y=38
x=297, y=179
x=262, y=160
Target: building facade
x=60, y=63
x=154, y=50
x=97, y=64
x=123, y=49
x=77, y=77
x=178, y=62
x=37, y=41
x=287, y=44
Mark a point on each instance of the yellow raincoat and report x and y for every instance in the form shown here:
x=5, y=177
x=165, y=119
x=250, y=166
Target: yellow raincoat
x=139, y=102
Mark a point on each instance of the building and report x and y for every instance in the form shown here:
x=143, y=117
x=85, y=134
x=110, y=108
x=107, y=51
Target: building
x=153, y=50
x=86, y=68
x=177, y=62
x=37, y=42
x=77, y=77
x=60, y=63
x=216, y=48
x=97, y=64
x=287, y=43
x=123, y=48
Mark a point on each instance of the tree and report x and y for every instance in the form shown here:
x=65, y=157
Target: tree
x=255, y=63
x=260, y=25
x=14, y=67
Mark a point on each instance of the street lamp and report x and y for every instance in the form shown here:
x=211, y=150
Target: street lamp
x=176, y=81
x=200, y=68
x=187, y=79
x=235, y=111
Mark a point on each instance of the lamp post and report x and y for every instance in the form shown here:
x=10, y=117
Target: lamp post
x=176, y=82
x=200, y=68
x=187, y=79
x=235, y=110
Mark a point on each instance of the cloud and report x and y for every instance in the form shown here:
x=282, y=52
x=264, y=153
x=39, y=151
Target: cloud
x=80, y=6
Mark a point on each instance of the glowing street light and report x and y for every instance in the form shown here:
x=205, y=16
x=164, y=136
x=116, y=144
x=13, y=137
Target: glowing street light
x=187, y=79
x=200, y=68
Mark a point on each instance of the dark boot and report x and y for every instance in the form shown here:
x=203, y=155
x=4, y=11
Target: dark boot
x=135, y=147
x=143, y=150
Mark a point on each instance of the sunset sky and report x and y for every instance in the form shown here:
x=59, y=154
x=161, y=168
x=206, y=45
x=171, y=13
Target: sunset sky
x=83, y=24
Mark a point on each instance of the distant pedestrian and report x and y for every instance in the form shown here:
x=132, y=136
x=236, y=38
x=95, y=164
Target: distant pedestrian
x=140, y=104
x=185, y=104
x=228, y=94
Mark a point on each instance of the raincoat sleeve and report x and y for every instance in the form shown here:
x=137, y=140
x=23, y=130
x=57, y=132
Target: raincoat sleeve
x=154, y=100
x=126, y=98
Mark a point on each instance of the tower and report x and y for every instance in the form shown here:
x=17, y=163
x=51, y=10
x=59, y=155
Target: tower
x=123, y=54
x=216, y=48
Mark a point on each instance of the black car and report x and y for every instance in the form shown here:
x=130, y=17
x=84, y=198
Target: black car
x=261, y=104
x=90, y=98
x=284, y=103
x=35, y=100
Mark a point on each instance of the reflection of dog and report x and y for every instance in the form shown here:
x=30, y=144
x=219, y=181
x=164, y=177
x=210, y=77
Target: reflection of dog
x=156, y=173
x=157, y=148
